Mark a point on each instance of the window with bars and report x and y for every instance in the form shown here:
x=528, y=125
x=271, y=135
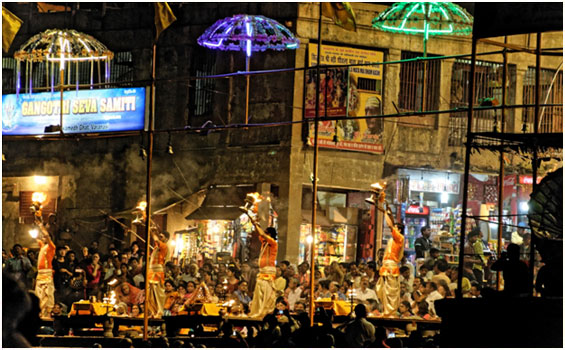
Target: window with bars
x=413, y=89
x=488, y=87
x=551, y=84
x=366, y=84
x=43, y=75
x=203, y=92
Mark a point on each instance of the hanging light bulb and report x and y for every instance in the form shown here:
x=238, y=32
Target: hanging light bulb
x=169, y=146
x=143, y=153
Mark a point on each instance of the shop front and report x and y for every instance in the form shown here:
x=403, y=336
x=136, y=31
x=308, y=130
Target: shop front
x=431, y=198
x=341, y=227
x=219, y=230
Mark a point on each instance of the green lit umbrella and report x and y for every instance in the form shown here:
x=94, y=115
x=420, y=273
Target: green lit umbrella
x=425, y=18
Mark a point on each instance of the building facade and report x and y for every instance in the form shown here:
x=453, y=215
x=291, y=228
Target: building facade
x=91, y=175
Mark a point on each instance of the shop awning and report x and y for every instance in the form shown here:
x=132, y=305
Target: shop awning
x=321, y=218
x=215, y=213
x=222, y=202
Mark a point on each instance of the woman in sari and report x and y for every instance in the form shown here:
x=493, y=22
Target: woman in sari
x=129, y=294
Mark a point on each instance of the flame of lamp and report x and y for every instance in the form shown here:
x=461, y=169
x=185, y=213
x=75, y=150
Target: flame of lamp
x=33, y=233
x=38, y=197
x=142, y=205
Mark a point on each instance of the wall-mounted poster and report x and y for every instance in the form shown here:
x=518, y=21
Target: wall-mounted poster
x=353, y=92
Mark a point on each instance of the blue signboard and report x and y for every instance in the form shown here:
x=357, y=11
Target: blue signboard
x=84, y=111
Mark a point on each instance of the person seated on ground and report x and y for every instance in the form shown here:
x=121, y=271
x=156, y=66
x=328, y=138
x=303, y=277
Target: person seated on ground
x=237, y=309
x=405, y=310
x=475, y=291
x=406, y=277
x=439, y=270
x=444, y=290
x=359, y=332
x=190, y=273
x=336, y=293
x=404, y=294
x=465, y=283
x=374, y=309
x=420, y=293
x=77, y=286
x=425, y=273
x=280, y=282
x=364, y=292
x=372, y=274
x=201, y=295
x=219, y=293
x=171, y=295
x=433, y=295
x=129, y=294
x=136, y=311
x=233, y=278
x=121, y=309
x=514, y=271
x=293, y=292
x=422, y=311
x=135, y=272
x=59, y=309
x=324, y=292
x=300, y=307
x=241, y=293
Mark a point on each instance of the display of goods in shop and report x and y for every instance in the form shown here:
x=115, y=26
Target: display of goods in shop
x=546, y=207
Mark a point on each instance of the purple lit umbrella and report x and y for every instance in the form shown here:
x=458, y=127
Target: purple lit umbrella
x=249, y=33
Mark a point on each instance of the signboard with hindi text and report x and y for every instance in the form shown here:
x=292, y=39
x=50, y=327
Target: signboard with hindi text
x=353, y=91
x=84, y=111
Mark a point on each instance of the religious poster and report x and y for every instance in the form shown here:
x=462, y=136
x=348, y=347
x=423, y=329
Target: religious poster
x=346, y=92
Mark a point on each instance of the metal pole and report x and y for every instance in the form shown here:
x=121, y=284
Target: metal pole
x=458, y=293
x=62, y=84
x=425, y=75
x=535, y=156
x=247, y=90
x=315, y=170
x=501, y=167
x=148, y=197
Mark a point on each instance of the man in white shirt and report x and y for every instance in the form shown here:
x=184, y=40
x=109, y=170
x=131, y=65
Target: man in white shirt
x=433, y=295
x=406, y=277
x=293, y=292
x=364, y=292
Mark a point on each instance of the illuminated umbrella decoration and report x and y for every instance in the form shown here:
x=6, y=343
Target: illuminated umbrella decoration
x=248, y=33
x=425, y=18
x=60, y=48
